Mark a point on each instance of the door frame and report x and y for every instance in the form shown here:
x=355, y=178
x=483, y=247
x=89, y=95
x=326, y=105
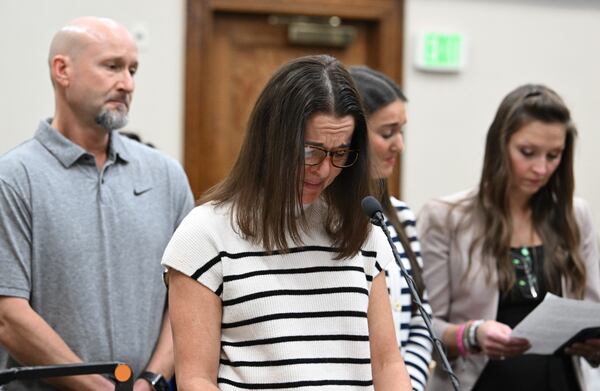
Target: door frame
x=386, y=50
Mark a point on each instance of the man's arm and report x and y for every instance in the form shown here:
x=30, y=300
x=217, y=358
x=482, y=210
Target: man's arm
x=23, y=332
x=31, y=341
x=162, y=360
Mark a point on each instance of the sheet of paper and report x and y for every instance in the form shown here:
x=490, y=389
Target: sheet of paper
x=555, y=321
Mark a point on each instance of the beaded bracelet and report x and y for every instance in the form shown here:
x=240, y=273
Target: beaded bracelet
x=466, y=338
x=459, y=340
x=473, y=343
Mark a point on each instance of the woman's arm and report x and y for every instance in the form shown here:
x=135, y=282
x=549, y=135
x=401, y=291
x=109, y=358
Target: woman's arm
x=389, y=372
x=493, y=339
x=195, y=313
x=589, y=349
x=434, y=237
x=589, y=249
x=435, y=231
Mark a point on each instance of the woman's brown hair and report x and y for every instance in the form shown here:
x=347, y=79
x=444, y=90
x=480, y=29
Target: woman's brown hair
x=265, y=184
x=552, y=206
x=377, y=91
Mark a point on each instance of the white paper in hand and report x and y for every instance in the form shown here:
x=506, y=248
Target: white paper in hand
x=554, y=321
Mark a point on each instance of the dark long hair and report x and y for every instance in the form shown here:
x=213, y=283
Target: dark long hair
x=377, y=91
x=265, y=184
x=552, y=206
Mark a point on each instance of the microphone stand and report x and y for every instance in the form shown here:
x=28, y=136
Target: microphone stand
x=121, y=373
x=378, y=219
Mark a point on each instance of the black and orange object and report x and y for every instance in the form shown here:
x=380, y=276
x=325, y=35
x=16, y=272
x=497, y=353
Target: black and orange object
x=119, y=372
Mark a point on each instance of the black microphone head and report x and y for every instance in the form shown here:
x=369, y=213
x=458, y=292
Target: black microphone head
x=370, y=206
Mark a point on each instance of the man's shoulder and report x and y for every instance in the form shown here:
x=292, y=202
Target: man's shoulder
x=23, y=150
x=18, y=160
x=149, y=156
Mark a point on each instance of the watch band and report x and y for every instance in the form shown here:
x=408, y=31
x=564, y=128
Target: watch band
x=157, y=380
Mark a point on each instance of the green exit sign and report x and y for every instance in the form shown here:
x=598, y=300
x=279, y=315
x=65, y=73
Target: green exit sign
x=440, y=52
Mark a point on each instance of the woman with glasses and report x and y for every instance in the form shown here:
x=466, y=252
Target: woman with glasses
x=275, y=279
x=385, y=107
x=491, y=254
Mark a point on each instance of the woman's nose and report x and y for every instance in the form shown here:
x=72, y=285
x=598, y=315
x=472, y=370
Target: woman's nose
x=397, y=143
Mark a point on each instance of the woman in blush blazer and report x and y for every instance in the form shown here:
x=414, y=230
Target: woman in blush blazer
x=491, y=254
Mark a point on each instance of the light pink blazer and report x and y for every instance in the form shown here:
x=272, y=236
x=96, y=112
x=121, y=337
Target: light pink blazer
x=456, y=298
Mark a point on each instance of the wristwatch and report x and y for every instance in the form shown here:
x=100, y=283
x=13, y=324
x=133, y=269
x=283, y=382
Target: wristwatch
x=157, y=380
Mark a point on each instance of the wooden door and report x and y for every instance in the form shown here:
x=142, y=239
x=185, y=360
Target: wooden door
x=234, y=46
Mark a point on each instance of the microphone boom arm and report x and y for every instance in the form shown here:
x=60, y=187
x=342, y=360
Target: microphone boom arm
x=372, y=208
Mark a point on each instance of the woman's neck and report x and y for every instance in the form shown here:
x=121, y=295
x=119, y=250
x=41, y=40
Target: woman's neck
x=523, y=230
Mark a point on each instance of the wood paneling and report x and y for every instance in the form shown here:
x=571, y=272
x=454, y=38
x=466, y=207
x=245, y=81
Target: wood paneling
x=232, y=50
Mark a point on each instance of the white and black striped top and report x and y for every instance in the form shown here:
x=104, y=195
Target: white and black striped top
x=413, y=337
x=295, y=321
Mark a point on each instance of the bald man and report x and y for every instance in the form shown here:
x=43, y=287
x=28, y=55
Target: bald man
x=85, y=215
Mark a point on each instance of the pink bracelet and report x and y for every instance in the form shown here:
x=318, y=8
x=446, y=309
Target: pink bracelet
x=459, y=339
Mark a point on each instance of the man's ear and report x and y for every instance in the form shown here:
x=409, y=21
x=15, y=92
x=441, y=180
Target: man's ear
x=60, y=69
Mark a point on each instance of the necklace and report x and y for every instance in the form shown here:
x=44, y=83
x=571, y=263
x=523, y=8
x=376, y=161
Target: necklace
x=524, y=262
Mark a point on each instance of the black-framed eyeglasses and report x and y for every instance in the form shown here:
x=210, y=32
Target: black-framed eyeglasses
x=340, y=158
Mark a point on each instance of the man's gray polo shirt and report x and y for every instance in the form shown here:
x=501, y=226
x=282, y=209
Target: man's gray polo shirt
x=84, y=245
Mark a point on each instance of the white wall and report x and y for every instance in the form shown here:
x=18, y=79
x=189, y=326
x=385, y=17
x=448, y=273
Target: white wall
x=27, y=27
x=509, y=43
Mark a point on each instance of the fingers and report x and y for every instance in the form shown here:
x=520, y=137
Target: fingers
x=502, y=352
x=589, y=349
x=513, y=350
x=497, y=343
x=592, y=355
x=518, y=344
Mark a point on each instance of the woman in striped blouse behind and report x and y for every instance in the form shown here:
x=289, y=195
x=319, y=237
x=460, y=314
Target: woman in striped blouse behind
x=385, y=106
x=275, y=280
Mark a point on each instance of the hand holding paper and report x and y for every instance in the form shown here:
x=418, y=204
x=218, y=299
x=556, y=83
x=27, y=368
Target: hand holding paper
x=556, y=321
x=496, y=341
x=588, y=347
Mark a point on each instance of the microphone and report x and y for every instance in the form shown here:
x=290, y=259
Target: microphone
x=372, y=208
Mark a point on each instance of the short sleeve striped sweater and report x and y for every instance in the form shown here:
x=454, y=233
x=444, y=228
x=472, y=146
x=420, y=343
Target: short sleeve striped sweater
x=411, y=332
x=291, y=321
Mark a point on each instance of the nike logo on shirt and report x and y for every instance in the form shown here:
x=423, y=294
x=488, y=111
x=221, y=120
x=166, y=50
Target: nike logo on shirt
x=140, y=192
